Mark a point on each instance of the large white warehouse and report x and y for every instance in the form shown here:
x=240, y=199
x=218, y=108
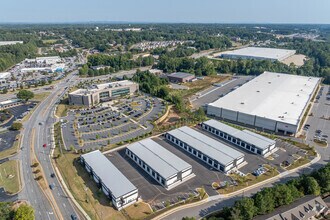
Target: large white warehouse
x=162, y=165
x=112, y=182
x=258, y=53
x=272, y=101
x=209, y=150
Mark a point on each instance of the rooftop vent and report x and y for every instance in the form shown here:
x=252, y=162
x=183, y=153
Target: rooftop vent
x=292, y=102
x=269, y=82
x=242, y=103
x=258, y=90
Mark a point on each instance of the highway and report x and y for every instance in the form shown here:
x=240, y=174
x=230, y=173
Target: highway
x=44, y=209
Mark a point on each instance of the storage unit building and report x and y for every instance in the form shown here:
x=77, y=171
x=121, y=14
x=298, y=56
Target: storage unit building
x=162, y=165
x=209, y=150
x=274, y=102
x=112, y=182
x=245, y=139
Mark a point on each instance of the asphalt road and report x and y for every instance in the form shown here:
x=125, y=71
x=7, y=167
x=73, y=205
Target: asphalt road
x=214, y=93
x=31, y=190
x=316, y=122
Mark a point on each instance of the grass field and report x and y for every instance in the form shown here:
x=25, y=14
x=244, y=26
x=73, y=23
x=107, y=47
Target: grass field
x=50, y=41
x=138, y=211
x=40, y=96
x=301, y=161
x=61, y=110
x=11, y=151
x=198, y=85
x=9, y=176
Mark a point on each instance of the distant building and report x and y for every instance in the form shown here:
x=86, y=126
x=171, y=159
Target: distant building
x=180, y=77
x=307, y=208
x=258, y=53
x=4, y=43
x=45, y=60
x=4, y=77
x=9, y=103
x=102, y=93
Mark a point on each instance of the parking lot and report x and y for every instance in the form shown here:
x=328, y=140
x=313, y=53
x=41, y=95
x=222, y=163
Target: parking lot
x=18, y=112
x=157, y=196
x=319, y=120
x=217, y=91
x=7, y=139
x=120, y=122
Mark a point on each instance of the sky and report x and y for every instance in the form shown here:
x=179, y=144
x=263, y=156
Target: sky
x=185, y=11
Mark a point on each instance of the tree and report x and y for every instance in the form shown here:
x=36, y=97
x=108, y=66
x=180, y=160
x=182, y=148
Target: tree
x=310, y=186
x=16, y=126
x=282, y=195
x=24, y=212
x=25, y=95
x=5, y=91
x=246, y=208
x=6, y=212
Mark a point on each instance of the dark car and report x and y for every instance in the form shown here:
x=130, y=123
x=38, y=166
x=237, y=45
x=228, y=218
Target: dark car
x=74, y=217
x=52, y=175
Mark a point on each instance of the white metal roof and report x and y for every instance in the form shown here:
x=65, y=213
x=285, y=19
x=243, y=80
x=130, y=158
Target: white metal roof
x=4, y=75
x=116, y=182
x=276, y=96
x=247, y=136
x=208, y=146
x=158, y=158
x=261, y=52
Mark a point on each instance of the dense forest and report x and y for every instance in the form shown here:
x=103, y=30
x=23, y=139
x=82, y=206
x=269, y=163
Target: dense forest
x=266, y=200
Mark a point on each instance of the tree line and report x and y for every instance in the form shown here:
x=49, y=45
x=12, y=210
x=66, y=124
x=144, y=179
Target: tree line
x=268, y=199
x=113, y=63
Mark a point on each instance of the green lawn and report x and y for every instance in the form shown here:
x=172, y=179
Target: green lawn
x=9, y=176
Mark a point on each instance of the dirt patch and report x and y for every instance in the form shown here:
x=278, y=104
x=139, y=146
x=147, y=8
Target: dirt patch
x=297, y=59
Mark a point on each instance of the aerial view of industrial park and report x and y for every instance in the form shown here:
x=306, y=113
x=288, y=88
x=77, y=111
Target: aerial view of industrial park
x=165, y=110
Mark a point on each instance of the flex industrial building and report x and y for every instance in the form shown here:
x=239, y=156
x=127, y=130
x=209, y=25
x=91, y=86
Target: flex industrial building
x=102, y=93
x=180, y=77
x=273, y=102
x=162, y=165
x=244, y=139
x=112, y=182
x=258, y=53
x=209, y=150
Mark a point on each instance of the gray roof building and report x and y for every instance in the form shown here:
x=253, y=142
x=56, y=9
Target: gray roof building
x=158, y=158
x=110, y=176
x=247, y=136
x=208, y=146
